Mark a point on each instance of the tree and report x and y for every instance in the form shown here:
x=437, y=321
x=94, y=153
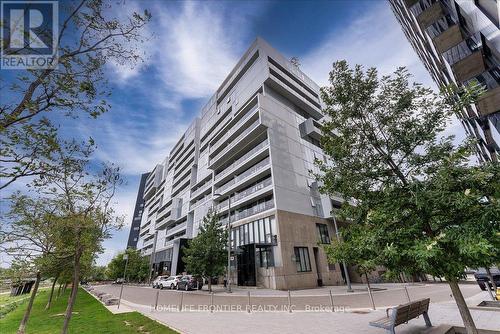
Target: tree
x=413, y=201
x=137, y=267
x=206, y=254
x=86, y=215
x=90, y=37
x=33, y=236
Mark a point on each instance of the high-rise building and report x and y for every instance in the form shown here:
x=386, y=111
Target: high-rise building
x=135, y=226
x=458, y=41
x=254, y=142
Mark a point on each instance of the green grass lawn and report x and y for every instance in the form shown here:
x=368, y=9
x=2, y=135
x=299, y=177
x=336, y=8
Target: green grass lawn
x=90, y=317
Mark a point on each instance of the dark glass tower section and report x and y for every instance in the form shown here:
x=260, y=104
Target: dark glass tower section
x=136, y=219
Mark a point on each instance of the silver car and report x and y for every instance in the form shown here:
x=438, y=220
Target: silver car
x=170, y=282
x=156, y=282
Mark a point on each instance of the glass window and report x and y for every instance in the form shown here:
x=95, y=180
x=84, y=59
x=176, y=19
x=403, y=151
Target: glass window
x=261, y=231
x=323, y=235
x=250, y=233
x=302, y=259
x=265, y=256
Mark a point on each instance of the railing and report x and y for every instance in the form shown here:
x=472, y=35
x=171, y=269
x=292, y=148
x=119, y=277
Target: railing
x=233, y=129
x=462, y=49
x=252, y=170
x=440, y=26
x=261, y=207
x=421, y=6
x=201, y=189
x=241, y=159
x=489, y=79
x=252, y=127
x=245, y=193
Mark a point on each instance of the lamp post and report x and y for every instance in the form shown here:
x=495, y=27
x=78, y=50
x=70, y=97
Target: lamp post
x=151, y=261
x=125, y=257
x=228, y=241
x=346, y=272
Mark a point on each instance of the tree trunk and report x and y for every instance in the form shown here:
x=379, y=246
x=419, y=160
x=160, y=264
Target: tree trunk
x=59, y=290
x=22, y=325
x=209, y=284
x=490, y=276
x=74, y=291
x=49, y=303
x=65, y=286
x=470, y=327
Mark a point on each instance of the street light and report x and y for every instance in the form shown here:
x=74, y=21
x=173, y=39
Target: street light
x=125, y=257
x=152, y=257
x=346, y=272
x=228, y=241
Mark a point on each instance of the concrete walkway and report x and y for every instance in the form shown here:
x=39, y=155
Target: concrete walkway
x=351, y=320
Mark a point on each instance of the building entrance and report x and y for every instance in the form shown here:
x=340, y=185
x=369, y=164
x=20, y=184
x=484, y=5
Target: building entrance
x=246, y=265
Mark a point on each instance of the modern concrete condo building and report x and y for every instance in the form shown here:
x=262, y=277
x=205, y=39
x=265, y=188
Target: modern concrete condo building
x=135, y=226
x=459, y=41
x=255, y=141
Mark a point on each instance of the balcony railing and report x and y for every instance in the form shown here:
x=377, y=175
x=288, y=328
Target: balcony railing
x=463, y=49
x=252, y=127
x=440, y=26
x=260, y=207
x=231, y=167
x=252, y=170
x=233, y=129
x=421, y=6
x=245, y=193
x=201, y=189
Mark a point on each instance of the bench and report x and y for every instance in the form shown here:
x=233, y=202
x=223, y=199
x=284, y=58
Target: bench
x=402, y=314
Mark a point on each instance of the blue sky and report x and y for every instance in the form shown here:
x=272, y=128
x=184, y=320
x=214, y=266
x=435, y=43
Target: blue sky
x=194, y=45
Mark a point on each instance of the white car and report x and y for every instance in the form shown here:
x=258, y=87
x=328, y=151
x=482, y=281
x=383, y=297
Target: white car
x=156, y=282
x=169, y=282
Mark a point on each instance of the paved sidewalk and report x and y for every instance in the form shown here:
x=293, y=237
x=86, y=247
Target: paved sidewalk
x=353, y=321
x=308, y=322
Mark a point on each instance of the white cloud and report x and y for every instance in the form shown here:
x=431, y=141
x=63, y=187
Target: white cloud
x=373, y=39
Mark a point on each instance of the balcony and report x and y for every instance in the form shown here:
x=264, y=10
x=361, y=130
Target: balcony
x=176, y=229
x=469, y=67
x=164, y=220
x=246, y=176
x=262, y=206
x=234, y=129
x=233, y=166
x=310, y=128
x=261, y=188
x=431, y=12
x=201, y=190
x=489, y=102
x=448, y=38
x=237, y=143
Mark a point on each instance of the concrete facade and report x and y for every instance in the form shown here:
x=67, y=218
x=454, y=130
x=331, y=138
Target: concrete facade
x=458, y=42
x=255, y=141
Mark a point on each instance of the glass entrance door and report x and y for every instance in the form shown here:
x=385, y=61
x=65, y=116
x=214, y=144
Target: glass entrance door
x=246, y=265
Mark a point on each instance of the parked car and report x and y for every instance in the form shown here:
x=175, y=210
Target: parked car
x=119, y=280
x=190, y=282
x=483, y=280
x=156, y=282
x=170, y=282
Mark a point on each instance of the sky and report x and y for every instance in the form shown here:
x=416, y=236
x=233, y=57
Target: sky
x=194, y=45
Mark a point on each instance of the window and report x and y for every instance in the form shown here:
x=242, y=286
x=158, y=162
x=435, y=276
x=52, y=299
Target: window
x=324, y=237
x=302, y=259
x=265, y=256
